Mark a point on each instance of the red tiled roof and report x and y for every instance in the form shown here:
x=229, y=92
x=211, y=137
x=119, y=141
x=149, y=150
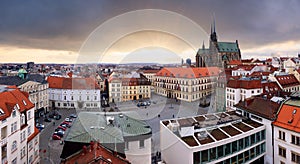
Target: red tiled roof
x=188, y=72
x=244, y=67
x=270, y=87
x=10, y=98
x=151, y=71
x=98, y=152
x=260, y=73
x=287, y=80
x=235, y=62
x=269, y=60
x=284, y=58
x=287, y=120
x=72, y=83
x=245, y=84
x=260, y=106
x=247, y=60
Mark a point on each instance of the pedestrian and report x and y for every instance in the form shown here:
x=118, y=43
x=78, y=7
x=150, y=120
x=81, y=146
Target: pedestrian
x=53, y=123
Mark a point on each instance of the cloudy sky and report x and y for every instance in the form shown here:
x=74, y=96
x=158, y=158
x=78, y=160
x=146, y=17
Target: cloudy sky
x=54, y=31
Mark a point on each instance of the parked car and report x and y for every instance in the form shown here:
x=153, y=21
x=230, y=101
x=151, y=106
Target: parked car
x=63, y=125
x=39, y=125
x=59, y=133
x=62, y=128
x=59, y=130
x=57, y=117
x=56, y=137
x=68, y=119
x=68, y=124
x=47, y=119
x=73, y=116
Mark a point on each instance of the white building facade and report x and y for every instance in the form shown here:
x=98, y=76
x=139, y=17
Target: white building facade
x=82, y=93
x=187, y=84
x=234, y=141
x=19, y=137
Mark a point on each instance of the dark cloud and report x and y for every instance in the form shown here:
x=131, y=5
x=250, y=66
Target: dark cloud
x=51, y=24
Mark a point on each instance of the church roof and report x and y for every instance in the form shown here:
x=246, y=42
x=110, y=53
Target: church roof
x=203, y=51
x=228, y=47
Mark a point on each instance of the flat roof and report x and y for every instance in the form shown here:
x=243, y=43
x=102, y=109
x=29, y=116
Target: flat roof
x=211, y=127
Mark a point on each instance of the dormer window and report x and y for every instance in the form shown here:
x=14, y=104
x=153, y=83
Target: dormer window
x=17, y=106
x=1, y=112
x=294, y=111
x=24, y=102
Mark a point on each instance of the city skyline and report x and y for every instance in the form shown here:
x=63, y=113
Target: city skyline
x=47, y=32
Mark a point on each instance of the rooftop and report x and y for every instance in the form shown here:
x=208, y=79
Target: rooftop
x=287, y=80
x=11, y=98
x=16, y=80
x=210, y=128
x=180, y=72
x=95, y=126
x=95, y=154
x=289, y=116
x=260, y=106
x=72, y=83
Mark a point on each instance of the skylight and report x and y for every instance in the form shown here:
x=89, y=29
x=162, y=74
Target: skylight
x=1, y=111
x=24, y=102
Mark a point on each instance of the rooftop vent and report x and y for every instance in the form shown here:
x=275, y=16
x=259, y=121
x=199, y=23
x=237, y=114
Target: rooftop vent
x=202, y=135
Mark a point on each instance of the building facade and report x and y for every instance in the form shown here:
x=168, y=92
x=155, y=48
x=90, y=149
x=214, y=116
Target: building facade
x=287, y=132
x=35, y=85
x=187, y=84
x=78, y=93
x=130, y=86
x=19, y=137
x=264, y=111
x=213, y=138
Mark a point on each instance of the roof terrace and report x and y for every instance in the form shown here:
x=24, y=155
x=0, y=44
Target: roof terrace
x=210, y=128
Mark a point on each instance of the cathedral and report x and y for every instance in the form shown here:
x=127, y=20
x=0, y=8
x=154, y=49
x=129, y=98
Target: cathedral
x=219, y=53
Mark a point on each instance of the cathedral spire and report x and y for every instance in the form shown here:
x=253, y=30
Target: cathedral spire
x=213, y=34
x=214, y=23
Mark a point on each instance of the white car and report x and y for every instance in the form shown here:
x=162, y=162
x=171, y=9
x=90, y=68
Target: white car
x=68, y=119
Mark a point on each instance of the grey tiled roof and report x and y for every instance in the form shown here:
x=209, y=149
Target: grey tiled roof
x=16, y=80
x=93, y=126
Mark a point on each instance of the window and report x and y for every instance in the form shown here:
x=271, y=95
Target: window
x=23, y=152
x=281, y=135
x=24, y=102
x=14, y=161
x=14, y=113
x=30, y=145
x=295, y=157
x=14, y=146
x=29, y=130
x=30, y=159
x=13, y=127
x=142, y=143
x=281, y=151
x=295, y=140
